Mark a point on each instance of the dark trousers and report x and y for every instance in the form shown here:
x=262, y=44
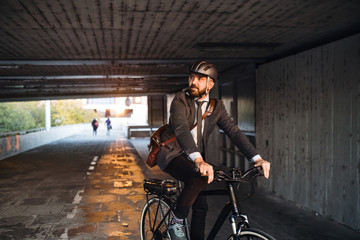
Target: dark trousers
x=184, y=170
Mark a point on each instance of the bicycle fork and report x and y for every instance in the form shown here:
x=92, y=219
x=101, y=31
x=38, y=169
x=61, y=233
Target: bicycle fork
x=244, y=223
x=234, y=207
x=236, y=213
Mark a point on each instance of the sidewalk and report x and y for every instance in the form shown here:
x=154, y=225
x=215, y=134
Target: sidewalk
x=80, y=187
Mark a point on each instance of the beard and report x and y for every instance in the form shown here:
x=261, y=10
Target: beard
x=194, y=92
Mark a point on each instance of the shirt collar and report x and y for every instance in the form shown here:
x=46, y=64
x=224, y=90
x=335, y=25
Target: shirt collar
x=205, y=100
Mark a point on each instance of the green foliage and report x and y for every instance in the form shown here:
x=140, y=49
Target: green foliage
x=20, y=116
x=66, y=112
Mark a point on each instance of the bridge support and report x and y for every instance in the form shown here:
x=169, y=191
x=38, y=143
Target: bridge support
x=47, y=115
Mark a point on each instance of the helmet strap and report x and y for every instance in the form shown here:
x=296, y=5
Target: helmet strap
x=207, y=87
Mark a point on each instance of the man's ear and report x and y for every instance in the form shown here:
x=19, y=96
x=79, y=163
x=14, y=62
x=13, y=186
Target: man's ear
x=211, y=84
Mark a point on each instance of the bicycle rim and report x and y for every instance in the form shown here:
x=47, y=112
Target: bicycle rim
x=252, y=234
x=153, y=222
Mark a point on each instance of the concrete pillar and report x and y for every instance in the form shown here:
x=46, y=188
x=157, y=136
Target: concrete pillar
x=47, y=115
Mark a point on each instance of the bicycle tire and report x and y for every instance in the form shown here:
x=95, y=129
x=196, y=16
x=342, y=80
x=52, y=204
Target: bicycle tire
x=252, y=234
x=153, y=212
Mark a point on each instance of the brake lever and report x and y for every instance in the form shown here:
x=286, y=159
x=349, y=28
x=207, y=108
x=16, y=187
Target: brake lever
x=259, y=171
x=219, y=175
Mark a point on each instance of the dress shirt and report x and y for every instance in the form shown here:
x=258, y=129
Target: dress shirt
x=193, y=131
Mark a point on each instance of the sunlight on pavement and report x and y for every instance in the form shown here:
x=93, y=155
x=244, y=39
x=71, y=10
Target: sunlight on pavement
x=113, y=196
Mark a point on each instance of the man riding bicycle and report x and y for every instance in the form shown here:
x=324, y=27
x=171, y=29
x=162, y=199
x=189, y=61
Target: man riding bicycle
x=192, y=128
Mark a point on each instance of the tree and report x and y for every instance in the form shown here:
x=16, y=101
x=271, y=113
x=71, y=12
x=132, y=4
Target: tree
x=20, y=116
x=65, y=112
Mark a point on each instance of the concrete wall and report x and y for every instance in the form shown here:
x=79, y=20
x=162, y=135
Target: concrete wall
x=238, y=94
x=308, y=126
x=12, y=145
x=236, y=88
x=157, y=107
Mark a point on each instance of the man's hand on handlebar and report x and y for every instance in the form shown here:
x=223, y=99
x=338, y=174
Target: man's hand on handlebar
x=265, y=165
x=205, y=169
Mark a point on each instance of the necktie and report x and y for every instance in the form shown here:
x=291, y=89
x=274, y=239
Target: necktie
x=199, y=126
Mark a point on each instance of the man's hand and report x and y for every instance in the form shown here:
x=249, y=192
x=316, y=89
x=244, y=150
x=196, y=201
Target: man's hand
x=205, y=169
x=265, y=166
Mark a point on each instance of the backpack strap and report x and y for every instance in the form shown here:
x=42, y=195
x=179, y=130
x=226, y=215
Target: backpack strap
x=208, y=112
x=210, y=108
x=168, y=141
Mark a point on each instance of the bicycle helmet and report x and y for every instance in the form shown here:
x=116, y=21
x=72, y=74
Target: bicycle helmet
x=204, y=68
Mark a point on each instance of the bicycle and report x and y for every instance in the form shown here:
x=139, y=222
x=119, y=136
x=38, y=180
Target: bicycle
x=158, y=210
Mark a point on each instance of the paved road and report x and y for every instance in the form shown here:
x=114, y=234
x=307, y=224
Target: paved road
x=82, y=187
x=90, y=187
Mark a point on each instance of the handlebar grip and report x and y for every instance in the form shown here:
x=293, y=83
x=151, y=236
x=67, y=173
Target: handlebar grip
x=259, y=171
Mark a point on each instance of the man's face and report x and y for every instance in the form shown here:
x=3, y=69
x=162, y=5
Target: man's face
x=197, y=85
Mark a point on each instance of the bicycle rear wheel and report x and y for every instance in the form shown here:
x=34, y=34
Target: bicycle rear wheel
x=155, y=219
x=252, y=234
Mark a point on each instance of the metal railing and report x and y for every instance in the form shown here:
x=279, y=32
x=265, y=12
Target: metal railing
x=23, y=132
x=230, y=155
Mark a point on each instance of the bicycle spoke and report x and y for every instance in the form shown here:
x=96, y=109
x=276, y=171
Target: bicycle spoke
x=157, y=213
x=155, y=220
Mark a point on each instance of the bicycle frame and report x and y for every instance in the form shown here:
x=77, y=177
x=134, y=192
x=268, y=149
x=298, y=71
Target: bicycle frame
x=228, y=207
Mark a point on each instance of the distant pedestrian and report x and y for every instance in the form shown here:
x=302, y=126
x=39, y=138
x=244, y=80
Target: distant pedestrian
x=95, y=125
x=108, y=126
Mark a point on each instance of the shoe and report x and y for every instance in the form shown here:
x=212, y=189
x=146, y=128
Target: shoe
x=177, y=232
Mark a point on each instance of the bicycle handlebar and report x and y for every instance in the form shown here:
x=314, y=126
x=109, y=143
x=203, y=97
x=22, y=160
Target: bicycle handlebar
x=237, y=175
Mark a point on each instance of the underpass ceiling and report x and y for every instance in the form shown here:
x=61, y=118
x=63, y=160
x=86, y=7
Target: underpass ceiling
x=98, y=48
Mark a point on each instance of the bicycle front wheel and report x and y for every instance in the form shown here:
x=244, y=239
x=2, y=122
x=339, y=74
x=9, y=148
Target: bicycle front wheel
x=252, y=234
x=155, y=219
